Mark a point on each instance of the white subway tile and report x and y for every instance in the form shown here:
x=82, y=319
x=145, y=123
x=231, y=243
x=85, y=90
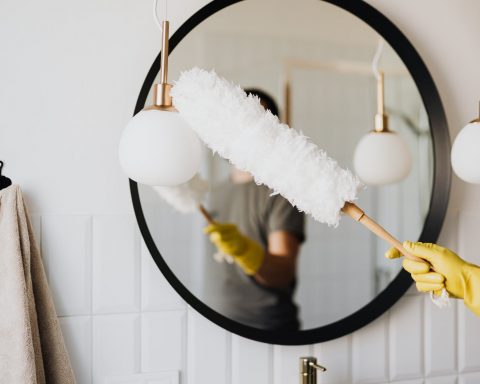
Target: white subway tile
x=468, y=230
x=286, y=361
x=157, y=294
x=167, y=339
x=77, y=333
x=163, y=341
x=171, y=377
x=406, y=338
x=251, y=361
x=442, y=380
x=66, y=249
x=370, y=352
x=469, y=378
x=449, y=234
x=440, y=339
x=469, y=340
x=116, y=264
x=417, y=381
x=116, y=346
x=469, y=324
x=209, y=350
x=335, y=355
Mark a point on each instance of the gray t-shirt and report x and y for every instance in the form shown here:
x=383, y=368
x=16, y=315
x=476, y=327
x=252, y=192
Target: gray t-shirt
x=256, y=213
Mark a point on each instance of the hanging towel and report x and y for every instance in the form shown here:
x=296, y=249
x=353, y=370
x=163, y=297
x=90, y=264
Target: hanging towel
x=32, y=350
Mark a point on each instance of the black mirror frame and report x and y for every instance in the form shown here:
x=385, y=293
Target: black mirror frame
x=438, y=203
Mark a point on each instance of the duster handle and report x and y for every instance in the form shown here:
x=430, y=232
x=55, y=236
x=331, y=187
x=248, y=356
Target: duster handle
x=206, y=214
x=357, y=214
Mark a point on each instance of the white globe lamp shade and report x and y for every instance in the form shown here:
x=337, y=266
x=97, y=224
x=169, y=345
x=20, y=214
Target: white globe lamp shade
x=382, y=158
x=465, y=154
x=158, y=147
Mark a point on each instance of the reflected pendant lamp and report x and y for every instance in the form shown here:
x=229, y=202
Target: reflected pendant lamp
x=158, y=147
x=382, y=156
x=465, y=156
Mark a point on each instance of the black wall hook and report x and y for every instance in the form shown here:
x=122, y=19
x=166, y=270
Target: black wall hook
x=4, y=181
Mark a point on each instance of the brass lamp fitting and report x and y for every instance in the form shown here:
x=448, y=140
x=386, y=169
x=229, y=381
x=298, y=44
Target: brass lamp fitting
x=381, y=119
x=161, y=92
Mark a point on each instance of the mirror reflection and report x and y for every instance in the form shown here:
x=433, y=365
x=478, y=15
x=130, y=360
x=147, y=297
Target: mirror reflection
x=316, y=67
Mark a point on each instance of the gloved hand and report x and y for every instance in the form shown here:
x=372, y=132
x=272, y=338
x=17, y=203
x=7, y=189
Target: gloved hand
x=247, y=253
x=459, y=278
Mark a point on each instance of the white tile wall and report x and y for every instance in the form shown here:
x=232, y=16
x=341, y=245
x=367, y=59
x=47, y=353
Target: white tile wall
x=406, y=339
x=468, y=341
x=256, y=356
x=469, y=331
x=157, y=293
x=472, y=378
x=410, y=382
x=442, y=380
x=440, y=340
x=116, y=264
x=145, y=378
x=209, y=351
x=163, y=341
x=370, y=352
x=77, y=332
x=116, y=345
x=123, y=323
x=66, y=248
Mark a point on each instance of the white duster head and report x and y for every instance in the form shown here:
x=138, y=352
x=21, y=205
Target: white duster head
x=186, y=197
x=236, y=126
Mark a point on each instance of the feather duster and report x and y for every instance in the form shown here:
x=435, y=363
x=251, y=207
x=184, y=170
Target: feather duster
x=187, y=197
x=256, y=141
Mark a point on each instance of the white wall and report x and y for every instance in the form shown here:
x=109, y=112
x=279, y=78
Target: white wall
x=70, y=74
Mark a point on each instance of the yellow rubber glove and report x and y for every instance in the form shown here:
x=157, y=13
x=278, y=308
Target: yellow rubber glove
x=247, y=253
x=459, y=278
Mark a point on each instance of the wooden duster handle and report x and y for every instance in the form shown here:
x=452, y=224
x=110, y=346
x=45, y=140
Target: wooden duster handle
x=206, y=214
x=358, y=215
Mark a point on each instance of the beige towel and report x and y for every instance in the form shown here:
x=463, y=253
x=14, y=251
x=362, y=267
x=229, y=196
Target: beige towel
x=32, y=350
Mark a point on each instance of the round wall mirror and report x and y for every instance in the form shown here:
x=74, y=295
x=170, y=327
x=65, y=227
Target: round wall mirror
x=315, y=64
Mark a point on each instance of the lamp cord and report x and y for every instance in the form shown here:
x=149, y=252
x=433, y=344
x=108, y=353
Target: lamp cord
x=155, y=15
x=376, y=58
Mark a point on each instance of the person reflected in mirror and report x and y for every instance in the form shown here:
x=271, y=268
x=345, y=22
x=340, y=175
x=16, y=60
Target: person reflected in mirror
x=262, y=233
x=460, y=278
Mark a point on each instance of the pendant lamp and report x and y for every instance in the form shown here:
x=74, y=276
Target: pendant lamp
x=382, y=157
x=465, y=154
x=157, y=146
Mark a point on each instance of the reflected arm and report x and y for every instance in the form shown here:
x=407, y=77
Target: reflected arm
x=279, y=265
x=273, y=267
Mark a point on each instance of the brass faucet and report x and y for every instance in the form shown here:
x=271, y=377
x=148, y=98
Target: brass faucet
x=308, y=370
